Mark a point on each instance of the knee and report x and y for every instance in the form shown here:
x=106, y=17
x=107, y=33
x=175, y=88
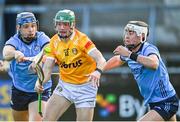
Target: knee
x=48, y=117
x=35, y=117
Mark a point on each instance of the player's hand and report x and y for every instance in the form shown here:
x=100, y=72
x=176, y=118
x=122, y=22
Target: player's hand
x=38, y=87
x=19, y=56
x=121, y=50
x=4, y=66
x=94, y=77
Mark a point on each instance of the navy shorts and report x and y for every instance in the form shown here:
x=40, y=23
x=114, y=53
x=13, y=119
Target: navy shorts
x=166, y=108
x=20, y=99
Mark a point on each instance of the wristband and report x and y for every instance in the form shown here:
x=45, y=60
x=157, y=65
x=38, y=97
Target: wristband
x=133, y=56
x=99, y=70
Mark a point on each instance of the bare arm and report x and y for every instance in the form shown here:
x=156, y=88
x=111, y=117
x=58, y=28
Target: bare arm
x=113, y=62
x=100, y=63
x=151, y=61
x=8, y=52
x=47, y=69
x=48, y=66
x=98, y=57
x=4, y=66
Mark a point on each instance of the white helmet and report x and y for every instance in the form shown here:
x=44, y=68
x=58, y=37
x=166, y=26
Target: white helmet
x=139, y=27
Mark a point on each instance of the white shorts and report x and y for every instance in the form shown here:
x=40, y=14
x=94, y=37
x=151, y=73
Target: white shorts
x=83, y=95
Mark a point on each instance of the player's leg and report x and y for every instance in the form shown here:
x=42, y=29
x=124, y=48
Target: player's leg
x=85, y=102
x=20, y=115
x=58, y=103
x=55, y=107
x=19, y=105
x=173, y=118
x=84, y=114
x=33, y=105
x=33, y=111
x=162, y=111
x=152, y=115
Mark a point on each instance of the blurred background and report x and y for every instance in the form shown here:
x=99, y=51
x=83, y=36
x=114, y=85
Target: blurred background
x=103, y=21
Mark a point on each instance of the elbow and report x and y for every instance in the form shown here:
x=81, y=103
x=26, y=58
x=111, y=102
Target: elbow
x=7, y=56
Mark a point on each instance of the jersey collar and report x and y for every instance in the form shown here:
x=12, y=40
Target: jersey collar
x=140, y=49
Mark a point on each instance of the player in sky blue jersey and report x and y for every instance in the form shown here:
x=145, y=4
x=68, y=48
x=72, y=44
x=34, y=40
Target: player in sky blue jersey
x=27, y=42
x=149, y=71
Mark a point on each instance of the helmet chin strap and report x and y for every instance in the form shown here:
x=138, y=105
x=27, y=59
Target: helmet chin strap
x=65, y=37
x=133, y=46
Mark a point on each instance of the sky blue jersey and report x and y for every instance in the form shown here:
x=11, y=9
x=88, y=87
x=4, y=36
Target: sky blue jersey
x=154, y=85
x=24, y=79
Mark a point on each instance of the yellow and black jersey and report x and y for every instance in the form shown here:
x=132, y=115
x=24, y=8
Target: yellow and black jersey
x=72, y=57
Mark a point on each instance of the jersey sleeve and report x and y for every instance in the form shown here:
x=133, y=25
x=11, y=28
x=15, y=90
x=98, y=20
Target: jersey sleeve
x=87, y=44
x=151, y=50
x=12, y=42
x=44, y=39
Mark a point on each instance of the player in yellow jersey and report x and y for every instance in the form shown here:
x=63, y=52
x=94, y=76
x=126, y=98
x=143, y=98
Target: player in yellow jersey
x=80, y=67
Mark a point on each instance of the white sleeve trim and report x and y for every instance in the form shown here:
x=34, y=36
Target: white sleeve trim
x=91, y=50
x=51, y=58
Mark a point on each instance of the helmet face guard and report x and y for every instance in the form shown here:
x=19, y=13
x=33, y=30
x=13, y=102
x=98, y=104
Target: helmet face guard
x=66, y=16
x=139, y=30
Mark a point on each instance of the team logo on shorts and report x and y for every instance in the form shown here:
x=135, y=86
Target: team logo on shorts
x=59, y=88
x=74, y=51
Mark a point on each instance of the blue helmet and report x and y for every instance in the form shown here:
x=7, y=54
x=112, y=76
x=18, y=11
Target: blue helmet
x=25, y=17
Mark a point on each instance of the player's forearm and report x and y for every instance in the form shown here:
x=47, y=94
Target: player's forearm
x=101, y=62
x=112, y=63
x=47, y=74
x=4, y=66
x=98, y=57
x=47, y=69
